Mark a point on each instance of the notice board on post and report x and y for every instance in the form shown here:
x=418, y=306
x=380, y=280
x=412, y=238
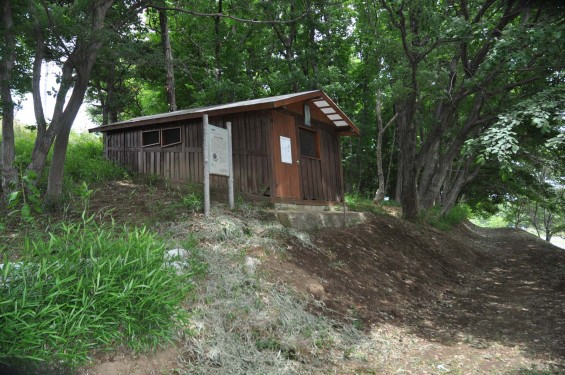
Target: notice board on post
x=217, y=150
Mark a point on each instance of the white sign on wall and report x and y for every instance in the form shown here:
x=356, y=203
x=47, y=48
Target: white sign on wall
x=218, y=151
x=286, y=150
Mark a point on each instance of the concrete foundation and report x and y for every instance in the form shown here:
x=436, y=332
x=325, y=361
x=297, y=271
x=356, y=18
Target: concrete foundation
x=313, y=220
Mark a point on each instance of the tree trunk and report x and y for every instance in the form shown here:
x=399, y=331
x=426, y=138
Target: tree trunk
x=398, y=187
x=82, y=58
x=390, y=158
x=169, y=67
x=407, y=158
x=36, y=77
x=55, y=180
x=455, y=188
x=9, y=172
x=380, y=194
x=547, y=221
x=218, y=44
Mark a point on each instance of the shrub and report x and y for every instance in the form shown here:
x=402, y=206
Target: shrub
x=89, y=287
x=447, y=221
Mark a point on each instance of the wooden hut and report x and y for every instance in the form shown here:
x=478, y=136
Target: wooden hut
x=284, y=147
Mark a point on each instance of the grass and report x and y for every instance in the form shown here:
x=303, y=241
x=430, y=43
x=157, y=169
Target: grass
x=85, y=161
x=244, y=324
x=79, y=285
x=90, y=287
x=494, y=221
x=446, y=221
x=360, y=203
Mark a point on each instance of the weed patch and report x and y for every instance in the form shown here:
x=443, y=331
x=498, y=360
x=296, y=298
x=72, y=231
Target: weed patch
x=89, y=287
x=359, y=203
x=447, y=221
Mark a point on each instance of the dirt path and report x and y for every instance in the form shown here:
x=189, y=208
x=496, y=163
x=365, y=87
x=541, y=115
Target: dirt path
x=515, y=298
x=473, y=301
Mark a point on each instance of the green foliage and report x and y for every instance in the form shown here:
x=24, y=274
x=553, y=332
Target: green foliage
x=89, y=287
x=194, y=201
x=360, y=203
x=85, y=161
x=541, y=113
x=446, y=222
x=494, y=221
x=26, y=198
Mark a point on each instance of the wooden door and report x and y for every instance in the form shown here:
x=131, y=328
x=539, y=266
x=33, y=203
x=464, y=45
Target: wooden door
x=287, y=171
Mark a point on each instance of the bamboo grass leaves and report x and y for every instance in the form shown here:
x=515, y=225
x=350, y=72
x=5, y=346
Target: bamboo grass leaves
x=89, y=287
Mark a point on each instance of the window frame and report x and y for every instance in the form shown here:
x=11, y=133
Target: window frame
x=171, y=144
x=158, y=143
x=317, y=140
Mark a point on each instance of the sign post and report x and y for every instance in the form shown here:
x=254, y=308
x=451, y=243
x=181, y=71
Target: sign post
x=205, y=146
x=217, y=148
x=231, y=200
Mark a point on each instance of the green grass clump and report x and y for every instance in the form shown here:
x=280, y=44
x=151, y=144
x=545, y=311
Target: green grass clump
x=494, y=221
x=447, y=221
x=89, y=287
x=360, y=203
x=85, y=161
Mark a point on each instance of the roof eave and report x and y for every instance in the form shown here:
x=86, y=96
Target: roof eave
x=183, y=115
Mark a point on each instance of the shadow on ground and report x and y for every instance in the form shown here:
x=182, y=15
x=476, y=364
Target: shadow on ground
x=473, y=287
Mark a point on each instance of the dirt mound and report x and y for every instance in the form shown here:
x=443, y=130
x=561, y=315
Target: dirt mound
x=383, y=270
x=470, y=289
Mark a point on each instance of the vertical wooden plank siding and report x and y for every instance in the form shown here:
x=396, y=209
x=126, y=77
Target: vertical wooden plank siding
x=321, y=180
x=286, y=175
x=184, y=162
x=255, y=147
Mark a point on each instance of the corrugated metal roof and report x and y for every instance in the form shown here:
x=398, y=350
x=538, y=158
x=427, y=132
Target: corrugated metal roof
x=243, y=106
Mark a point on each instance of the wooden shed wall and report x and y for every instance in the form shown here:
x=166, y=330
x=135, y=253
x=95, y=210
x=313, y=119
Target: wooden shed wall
x=252, y=150
x=184, y=162
x=320, y=177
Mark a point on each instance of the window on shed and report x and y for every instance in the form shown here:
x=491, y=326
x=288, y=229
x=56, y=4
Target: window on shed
x=309, y=143
x=150, y=138
x=170, y=137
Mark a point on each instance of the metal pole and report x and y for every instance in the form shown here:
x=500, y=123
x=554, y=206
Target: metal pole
x=205, y=149
x=230, y=168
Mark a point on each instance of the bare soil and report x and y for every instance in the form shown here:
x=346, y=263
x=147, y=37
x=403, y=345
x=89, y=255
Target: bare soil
x=473, y=300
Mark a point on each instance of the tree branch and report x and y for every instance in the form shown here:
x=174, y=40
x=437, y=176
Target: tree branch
x=222, y=15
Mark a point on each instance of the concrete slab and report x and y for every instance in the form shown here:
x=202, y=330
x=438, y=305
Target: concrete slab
x=313, y=220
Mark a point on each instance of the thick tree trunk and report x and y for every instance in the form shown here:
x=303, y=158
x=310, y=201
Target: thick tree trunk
x=55, y=181
x=453, y=191
x=82, y=59
x=36, y=77
x=435, y=165
x=380, y=194
x=169, y=66
x=9, y=172
x=407, y=158
x=398, y=187
x=44, y=142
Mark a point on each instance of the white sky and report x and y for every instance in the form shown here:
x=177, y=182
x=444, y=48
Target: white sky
x=26, y=115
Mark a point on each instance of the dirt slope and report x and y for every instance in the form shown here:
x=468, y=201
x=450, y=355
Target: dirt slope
x=473, y=301
x=478, y=300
